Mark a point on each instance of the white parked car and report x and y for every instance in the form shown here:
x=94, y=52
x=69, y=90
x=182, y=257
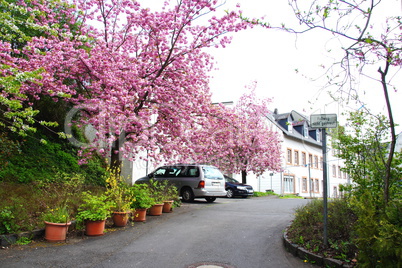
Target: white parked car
x=192, y=180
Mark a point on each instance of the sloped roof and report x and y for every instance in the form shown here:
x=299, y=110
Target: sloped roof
x=296, y=119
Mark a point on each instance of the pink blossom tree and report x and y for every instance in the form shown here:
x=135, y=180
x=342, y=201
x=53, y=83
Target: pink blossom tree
x=140, y=77
x=257, y=147
x=239, y=139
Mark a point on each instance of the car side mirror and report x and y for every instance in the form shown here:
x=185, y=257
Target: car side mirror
x=150, y=175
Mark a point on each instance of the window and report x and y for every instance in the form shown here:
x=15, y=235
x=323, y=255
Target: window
x=167, y=172
x=193, y=172
x=290, y=125
x=304, y=163
x=212, y=173
x=289, y=156
x=339, y=172
x=304, y=184
x=333, y=170
x=335, y=192
x=310, y=159
x=296, y=160
x=321, y=163
x=288, y=184
x=316, y=161
x=317, y=186
x=305, y=130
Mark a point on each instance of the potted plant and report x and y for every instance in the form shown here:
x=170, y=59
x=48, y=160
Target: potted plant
x=156, y=191
x=93, y=213
x=56, y=221
x=57, y=215
x=121, y=197
x=170, y=195
x=141, y=201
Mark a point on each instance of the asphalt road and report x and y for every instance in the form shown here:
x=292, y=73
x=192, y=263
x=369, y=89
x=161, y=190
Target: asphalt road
x=240, y=233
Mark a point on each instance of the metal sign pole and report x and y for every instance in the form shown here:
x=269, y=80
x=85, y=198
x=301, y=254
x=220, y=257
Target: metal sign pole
x=324, y=121
x=325, y=180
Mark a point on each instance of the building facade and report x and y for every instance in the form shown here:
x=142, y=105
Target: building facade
x=302, y=160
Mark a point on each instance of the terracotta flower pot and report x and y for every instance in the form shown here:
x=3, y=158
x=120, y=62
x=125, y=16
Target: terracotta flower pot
x=156, y=210
x=120, y=219
x=55, y=232
x=140, y=214
x=167, y=206
x=94, y=228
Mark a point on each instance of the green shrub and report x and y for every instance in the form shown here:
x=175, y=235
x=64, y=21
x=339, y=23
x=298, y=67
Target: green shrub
x=379, y=233
x=23, y=241
x=307, y=228
x=142, y=196
x=94, y=208
x=7, y=224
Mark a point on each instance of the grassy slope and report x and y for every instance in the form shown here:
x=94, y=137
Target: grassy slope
x=35, y=176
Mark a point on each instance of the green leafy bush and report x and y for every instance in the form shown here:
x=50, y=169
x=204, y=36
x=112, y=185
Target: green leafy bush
x=379, y=235
x=7, y=224
x=162, y=190
x=142, y=196
x=57, y=215
x=94, y=207
x=118, y=191
x=307, y=228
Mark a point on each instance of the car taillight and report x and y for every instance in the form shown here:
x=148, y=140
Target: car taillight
x=201, y=184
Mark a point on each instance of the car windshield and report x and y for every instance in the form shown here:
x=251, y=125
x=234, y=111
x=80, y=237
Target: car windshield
x=212, y=173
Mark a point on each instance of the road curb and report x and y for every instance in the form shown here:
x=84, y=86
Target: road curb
x=304, y=254
x=9, y=239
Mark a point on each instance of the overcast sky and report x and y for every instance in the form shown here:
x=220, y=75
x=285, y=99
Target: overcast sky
x=271, y=57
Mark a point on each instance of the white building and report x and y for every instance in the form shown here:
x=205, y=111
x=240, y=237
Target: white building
x=302, y=160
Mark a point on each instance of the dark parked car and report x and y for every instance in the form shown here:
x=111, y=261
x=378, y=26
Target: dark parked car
x=234, y=188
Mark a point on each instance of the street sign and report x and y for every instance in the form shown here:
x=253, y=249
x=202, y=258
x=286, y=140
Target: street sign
x=323, y=121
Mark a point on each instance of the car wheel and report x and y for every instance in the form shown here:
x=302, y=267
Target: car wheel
x=187, y=195
x=210, y=199
x=245, y=196
x=229, y=193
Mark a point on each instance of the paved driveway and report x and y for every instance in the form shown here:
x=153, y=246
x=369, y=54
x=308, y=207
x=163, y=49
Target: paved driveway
x=240, y=233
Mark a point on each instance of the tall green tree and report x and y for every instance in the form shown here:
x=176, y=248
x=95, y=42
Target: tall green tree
x=364, y=145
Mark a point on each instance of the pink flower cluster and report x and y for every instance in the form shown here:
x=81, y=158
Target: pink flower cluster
x=141, y=80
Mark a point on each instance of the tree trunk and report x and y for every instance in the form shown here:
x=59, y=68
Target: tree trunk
x=115, y=159
x=392, y=127
x=244, y=176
